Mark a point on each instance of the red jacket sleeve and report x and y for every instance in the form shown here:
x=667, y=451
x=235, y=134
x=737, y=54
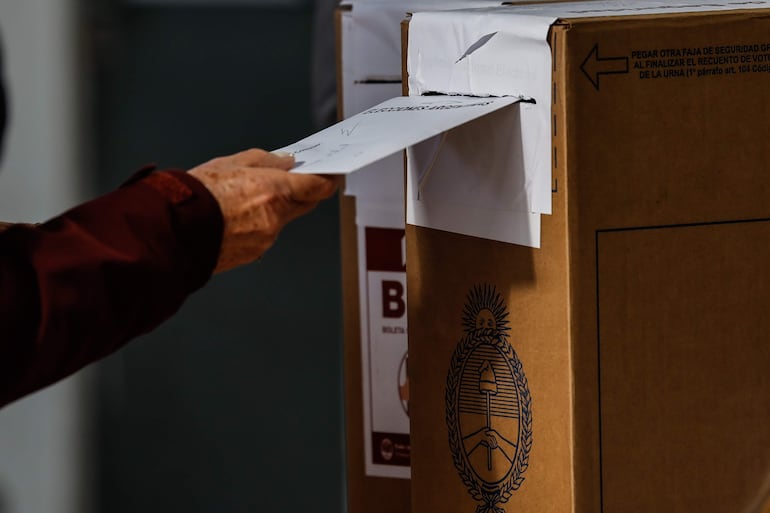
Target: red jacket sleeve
x=78, y=287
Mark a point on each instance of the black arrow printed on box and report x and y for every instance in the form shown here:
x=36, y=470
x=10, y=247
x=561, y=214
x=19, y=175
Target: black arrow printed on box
x=594, y=66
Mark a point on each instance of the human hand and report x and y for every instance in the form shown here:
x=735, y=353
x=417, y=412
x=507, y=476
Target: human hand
x=258, y=197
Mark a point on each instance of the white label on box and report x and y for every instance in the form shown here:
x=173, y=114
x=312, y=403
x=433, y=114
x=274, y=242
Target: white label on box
x=492, y=52
x=376, y=35
x=381, y=182
x=376, y=39
x=384, y=351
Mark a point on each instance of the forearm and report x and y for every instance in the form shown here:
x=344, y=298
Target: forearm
x=78, y=287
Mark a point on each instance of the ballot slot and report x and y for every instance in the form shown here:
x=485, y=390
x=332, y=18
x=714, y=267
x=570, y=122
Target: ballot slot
x=470, y=52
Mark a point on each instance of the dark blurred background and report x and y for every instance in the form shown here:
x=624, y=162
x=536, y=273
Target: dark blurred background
x=235, y=404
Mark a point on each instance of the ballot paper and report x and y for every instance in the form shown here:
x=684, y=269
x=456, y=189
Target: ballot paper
x=465, y=172
x=385, y=129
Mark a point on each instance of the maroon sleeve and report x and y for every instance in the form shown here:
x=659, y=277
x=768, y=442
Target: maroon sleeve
x=78, y=287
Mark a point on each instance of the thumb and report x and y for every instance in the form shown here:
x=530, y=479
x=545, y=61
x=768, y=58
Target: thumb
x=311, y=188
x=261, y=158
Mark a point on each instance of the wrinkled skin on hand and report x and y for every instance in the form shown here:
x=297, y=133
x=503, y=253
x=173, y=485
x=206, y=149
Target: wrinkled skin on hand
x=258, y=197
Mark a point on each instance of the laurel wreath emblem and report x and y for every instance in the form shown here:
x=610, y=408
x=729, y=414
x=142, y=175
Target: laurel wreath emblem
x=491, y=497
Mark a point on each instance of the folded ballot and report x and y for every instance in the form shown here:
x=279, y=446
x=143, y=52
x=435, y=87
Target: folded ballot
x=385, y=129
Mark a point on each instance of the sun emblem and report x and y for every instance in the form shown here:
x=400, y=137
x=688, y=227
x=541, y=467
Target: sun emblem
x=488, y=404
x=484, y=312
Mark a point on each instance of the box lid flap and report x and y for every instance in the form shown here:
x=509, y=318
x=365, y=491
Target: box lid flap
x=491, y=52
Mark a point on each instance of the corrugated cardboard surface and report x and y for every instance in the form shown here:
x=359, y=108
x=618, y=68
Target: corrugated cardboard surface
x=683, y=366
x=442, y=269
x=640, y=324
x=657, y=153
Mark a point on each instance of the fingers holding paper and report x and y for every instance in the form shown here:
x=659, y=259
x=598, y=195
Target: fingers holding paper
x=258, y=197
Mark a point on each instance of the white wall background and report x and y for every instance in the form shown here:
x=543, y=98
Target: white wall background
x=41, y=437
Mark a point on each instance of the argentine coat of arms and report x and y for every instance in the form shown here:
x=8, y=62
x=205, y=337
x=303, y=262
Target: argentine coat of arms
x=488, y=404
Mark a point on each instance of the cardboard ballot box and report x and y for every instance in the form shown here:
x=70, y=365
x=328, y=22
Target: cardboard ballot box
x=377, y=224
x=373, y=261
x=622, y=367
